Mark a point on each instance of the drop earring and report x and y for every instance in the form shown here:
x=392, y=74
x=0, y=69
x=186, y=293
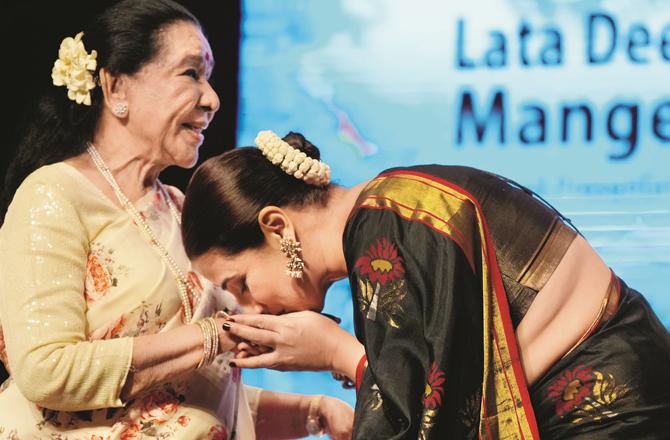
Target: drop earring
x=291, y=249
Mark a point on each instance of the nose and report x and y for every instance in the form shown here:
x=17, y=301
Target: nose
x=209, y=100
x=252, y=309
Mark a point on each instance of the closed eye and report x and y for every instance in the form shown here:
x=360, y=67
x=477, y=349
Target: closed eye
x=193, y=73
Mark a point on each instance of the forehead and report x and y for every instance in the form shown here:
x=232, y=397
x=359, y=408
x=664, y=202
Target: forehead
x=184, y=40
x=216, y=266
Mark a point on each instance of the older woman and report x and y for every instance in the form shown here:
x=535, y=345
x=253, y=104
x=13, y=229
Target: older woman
x=108, y=334
x=482, y=313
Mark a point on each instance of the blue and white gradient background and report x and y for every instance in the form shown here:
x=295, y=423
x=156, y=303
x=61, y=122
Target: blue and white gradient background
x=380, y=83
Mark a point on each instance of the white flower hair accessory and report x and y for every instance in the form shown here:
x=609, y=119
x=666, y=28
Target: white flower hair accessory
x=293, y=161
x=74, y=68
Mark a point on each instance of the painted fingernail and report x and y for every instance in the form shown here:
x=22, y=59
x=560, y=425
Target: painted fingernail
x=226, y=326
x=233, y=364
x=333, y=317
x=226, y=309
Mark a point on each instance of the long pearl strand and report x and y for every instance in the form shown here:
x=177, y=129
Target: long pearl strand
x=182, y=282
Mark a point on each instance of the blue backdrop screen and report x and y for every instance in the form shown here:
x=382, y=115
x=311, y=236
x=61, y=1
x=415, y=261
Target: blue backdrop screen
x=567, y=97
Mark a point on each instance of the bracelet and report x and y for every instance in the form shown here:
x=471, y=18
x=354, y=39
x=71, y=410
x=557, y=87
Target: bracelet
x=360, y=369
x=313, y=424
x=210, y=340
x=347, y=383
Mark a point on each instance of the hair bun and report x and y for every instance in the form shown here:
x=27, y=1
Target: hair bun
x=299, y=142
x=294, y=160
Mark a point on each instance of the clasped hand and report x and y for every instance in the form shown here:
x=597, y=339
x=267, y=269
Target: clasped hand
x=306, y=341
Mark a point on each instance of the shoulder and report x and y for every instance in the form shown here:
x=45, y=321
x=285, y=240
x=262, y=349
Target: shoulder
x=58, y=177
x=49, y=189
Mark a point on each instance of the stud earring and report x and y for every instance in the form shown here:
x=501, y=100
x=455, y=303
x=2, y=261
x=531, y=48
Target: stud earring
x=291, y=249
x=120, y=109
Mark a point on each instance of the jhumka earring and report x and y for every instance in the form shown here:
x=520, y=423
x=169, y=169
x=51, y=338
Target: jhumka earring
x=120, y=109
x=291, y=249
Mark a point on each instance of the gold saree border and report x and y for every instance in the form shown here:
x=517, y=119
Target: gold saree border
x=506, y=408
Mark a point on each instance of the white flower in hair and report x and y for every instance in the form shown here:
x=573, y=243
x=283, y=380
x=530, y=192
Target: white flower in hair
x=293, y=161
x=73, y=69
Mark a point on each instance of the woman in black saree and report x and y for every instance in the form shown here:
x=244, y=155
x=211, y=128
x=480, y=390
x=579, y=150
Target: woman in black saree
x=480, y=313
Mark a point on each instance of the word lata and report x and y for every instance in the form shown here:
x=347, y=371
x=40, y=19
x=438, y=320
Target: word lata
x=565, y=121
x=604, y=40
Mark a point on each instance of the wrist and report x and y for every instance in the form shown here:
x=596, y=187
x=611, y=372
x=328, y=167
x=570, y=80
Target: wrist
x=314, y=420
x=346, y=356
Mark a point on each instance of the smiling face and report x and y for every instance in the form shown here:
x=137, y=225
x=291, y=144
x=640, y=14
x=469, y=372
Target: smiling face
x=258, y=279
x=170, y=99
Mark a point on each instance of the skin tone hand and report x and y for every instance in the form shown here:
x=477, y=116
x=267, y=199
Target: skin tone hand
x=284, y=415
x=305, y=341
x=337, y=418
x=160, y=357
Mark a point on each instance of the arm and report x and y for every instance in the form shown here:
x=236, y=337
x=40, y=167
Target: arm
x=284, y=415
x=44, y=252
x=305, y=341
x=160, y=357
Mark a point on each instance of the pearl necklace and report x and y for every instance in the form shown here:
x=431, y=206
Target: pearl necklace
x=182, y=282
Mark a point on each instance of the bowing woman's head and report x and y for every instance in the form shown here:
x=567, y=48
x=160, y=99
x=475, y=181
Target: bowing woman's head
x=243, y=213
x=136, y=78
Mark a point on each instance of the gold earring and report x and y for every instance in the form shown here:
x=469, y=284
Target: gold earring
x=291, y=249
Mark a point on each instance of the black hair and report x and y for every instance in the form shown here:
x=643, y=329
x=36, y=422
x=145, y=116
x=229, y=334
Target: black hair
x=126, y=36
x=227, y=192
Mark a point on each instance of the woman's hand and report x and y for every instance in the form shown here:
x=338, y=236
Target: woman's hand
x=227, y=342
x=337, y=418
x=305, y=341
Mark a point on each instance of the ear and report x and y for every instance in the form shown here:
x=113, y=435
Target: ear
x=275, y=225
x=114, y=89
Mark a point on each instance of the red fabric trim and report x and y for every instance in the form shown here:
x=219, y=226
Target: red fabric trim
x=360, y=369
x=499, y=291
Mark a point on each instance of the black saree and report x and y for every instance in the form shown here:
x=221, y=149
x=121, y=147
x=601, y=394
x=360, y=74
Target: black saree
x=432, y=313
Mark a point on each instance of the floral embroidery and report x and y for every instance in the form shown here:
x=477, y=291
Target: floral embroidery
x=381, y=286
x=585, y=394
x=381, y=263
x=432, y=399
x=570, y=388
x=217, y=432
x=470, y=414
x=131, y=431
x=99, y=276
x=158, y=406
x=156, y=415
x=111, y=330
x=432, y=395
x=387, y=301
x=159, y=205
x=102, y=273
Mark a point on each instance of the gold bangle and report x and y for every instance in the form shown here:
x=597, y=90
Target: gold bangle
x=214, y=338
x=205, y=343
